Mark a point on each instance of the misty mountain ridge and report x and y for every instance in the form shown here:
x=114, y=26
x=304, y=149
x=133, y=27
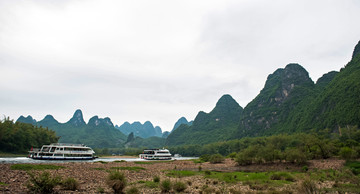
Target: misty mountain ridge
x=98, y=132
x=181, y=121
x=140, y=130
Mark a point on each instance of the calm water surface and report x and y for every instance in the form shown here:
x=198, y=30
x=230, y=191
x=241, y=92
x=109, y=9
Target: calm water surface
x=19, y=160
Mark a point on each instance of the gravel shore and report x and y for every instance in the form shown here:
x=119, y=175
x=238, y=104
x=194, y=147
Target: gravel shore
x=92, y=176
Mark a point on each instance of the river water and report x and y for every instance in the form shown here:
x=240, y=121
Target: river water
x=20, y=160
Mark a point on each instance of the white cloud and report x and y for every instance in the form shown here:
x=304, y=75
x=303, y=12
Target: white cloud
x=160, y=60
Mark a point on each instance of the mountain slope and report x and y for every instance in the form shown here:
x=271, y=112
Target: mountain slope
x=98, y=133
x=283, y=91
x=338, y=104
x=181, y=121
x=140, y=130
x=218, y=125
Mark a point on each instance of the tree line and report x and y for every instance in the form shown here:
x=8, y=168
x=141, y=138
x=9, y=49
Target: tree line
x=20, y=137
x=298, y=147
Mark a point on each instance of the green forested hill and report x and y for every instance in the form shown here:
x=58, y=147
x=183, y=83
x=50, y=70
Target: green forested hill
x=98, y=133
x=289, y=102
x=283, y=91
x=218, y=125
x=338, y=104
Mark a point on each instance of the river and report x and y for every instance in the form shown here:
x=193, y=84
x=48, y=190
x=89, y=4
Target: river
x=20, y=160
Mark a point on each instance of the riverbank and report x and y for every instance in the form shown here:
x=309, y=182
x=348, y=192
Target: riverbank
x=118, y=156
x=7, y=155
x=198, y=177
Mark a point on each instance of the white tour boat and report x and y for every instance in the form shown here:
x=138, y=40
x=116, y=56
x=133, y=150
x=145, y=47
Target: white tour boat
x=62, y=151
x=156, y=154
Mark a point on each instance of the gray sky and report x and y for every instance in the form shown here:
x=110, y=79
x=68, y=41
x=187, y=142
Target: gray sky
x=158, y=60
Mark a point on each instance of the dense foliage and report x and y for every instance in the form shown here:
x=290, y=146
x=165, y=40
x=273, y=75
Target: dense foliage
x=20, y=137
x=292, y=147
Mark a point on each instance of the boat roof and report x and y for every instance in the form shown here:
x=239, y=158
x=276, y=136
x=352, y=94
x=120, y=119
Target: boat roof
x=66, y=144
x=156, y=149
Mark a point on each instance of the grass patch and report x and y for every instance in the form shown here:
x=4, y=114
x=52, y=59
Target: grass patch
x=102, y=162
x=4, y=184
x=151, y=184
x=181, y=173
x=354, y=166
x=197, y=161
x=344, y=188
x=119, y=161
x=256, y=179
x=133, y=168
x=35, y=167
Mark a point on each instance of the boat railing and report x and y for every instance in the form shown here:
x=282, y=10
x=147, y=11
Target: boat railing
x=74, y=152
x=67, y=144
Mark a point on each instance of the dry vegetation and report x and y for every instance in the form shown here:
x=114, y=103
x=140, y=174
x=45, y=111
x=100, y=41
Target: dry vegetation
x=186, y=176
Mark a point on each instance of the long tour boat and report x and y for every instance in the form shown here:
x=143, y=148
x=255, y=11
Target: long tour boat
x=62, y=151
x=156, y=154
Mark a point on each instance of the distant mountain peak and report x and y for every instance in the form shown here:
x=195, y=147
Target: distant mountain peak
x=285, y=80
x=179, y=122
x=77, y=118
x=226, y=101
x=326, y=78
x=28, y=119
x=356, y=50
x=49, y=117
x=141, y=130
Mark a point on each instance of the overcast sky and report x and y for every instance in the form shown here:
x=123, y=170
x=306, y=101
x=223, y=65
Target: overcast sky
x=159, y=60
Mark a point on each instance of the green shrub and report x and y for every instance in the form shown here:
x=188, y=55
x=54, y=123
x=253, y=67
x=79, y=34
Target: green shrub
x=232, y=155
x=295, y=155
x=308, y=187
x=70, y=184
x=179, y=186
x=199, y=168
x=275, y=176
x=207, y=172
x=347, y=153
x=116, y=181
x=100, y=190
x=243, y=159
x=354, y=166
x=42, y=183
x=133, y=190
x=151, y=184
x=165, y=186
x=282, y=176
x=305, y=168
x=156, y=179
x=216, y=158
x=205, y=157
